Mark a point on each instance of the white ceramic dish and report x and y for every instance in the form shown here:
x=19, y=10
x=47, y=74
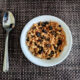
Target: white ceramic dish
x=44, y=62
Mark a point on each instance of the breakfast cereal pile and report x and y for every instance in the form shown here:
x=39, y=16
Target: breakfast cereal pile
x=46, y=39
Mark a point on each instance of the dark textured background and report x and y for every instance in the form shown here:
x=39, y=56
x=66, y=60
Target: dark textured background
x=25, y=10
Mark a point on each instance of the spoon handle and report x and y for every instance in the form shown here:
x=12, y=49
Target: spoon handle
x=6, y=58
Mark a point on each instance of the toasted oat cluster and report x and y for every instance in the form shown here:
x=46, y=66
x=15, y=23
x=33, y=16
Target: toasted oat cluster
x=46, y=39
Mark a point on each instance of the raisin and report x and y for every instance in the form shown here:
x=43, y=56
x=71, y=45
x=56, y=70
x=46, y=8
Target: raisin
x=55, y=51
x=59, y=42
x=40, y=27
x=59, y=25
x=55, y=47
x=44, y=24
x=27, y=39
x=52, y=52
x=48, y=45
x=39, y=40
x=32, y=36
x=59, y=50
x=53, y=33
x=48, y=58
x=48, y=39
x=50, y=55
x=39, y=24
x=43, y=30
x=35, y=43
x=40, y=51
x=31, y=42
x=50, y=28
x=43, y=37
x=40, y=47
x=60, y=30
x=38, y=34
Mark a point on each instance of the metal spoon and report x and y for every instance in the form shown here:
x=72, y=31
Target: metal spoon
x=8, y=25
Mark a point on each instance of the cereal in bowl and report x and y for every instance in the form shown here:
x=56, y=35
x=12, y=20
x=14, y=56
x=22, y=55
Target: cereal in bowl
x=46, y=39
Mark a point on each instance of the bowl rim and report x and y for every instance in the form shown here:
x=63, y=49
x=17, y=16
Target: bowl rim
x=33, y=55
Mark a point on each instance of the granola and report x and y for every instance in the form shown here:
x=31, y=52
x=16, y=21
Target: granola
x=46, y=40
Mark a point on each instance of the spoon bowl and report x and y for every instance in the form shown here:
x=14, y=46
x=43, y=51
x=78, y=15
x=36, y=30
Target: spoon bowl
x=8, y=21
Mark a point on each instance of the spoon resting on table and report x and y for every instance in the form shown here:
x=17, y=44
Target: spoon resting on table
x=8, y=24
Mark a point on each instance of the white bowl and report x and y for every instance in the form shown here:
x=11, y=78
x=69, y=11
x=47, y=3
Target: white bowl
x=44, y=62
